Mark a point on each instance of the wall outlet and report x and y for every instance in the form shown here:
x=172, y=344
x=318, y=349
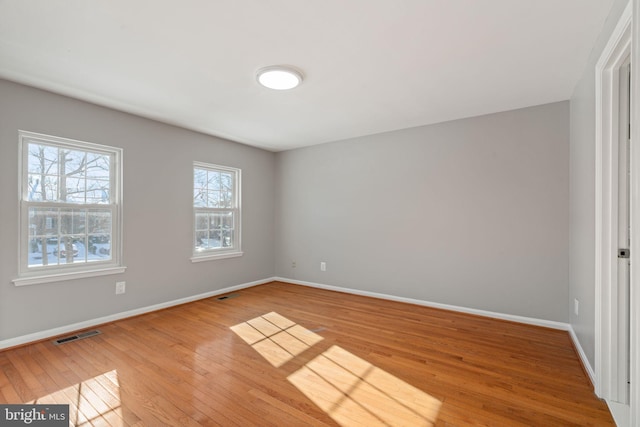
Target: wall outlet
x=293, y=264
x=120, y=287
x=576, y=306
x=323, y=266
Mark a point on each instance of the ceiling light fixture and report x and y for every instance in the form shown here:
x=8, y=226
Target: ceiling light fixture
x=279, y=77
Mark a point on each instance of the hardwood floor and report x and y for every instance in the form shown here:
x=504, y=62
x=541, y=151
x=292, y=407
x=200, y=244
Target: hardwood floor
x=287, y=355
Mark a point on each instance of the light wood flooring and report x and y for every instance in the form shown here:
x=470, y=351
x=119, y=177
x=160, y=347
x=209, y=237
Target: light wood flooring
x=287, y=355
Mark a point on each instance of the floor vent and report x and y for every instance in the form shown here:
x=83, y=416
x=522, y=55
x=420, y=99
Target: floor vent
x=76, y=337
x=224, y=297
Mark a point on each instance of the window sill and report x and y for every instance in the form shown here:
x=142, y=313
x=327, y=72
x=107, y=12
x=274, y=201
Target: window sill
x=211, y=257
x=59, y=277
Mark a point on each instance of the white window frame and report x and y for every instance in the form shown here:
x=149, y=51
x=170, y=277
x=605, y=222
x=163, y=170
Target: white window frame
x=54, y=273
x=236, y=248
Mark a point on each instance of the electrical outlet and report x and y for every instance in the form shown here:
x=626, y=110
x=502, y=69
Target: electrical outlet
x=323, y=266
x=293, y=264
x=576, y=306
x=120, y=287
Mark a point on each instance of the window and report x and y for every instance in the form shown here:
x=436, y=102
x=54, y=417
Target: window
x=70, y=209
x=216, y=210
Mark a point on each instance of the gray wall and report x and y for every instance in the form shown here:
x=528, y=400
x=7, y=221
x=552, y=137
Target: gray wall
x=157, y=212
x=582, y=190
x=472, y=213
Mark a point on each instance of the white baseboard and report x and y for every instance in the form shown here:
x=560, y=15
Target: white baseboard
x=513, y=318
x=49, y=333
x=583, y=356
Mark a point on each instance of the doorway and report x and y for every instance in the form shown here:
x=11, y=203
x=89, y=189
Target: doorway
x=613, y=221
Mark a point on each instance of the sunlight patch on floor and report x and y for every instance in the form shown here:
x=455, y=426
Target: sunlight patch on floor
x=349, y=389
x=95, y=401
x=275, y=337
x=354, y=392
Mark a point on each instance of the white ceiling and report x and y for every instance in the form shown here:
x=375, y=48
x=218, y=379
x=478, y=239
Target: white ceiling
x=370, y=65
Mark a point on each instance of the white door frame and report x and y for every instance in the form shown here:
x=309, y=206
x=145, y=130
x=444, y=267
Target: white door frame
x=607, y=333
x=634, y=399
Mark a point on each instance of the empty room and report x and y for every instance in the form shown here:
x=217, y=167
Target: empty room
x=319, y=213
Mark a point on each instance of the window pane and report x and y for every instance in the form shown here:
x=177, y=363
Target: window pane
x=97, y=184
x=213, y=180
x=34, y=189
x=72, y=221
x=200, y=178
x=72, y=162
x=75, y=189
x=98, y=166
x=202, y=221
x=61, y=236
x=35, y=257
x=202, y=238
x=226, y=181
x=214, y=239
x=65, y=175
x=51, y=188
x=213, y=199
x=99, y=247
x=64, y=221
x=199, y=199
x=226, y=199
x=99, y=222
x=227, y=238
x=42, y=254
x=79, y=222
x=215, y=221
x=227, y=220
x=42, y=187
x=207, y=240
x=42, y=159
x=199, y=187
x=98, y=191
x=43, y=222
x=65, y=250
x=42, y=225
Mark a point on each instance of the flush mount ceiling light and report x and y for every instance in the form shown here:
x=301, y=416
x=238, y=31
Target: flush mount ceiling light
x=279, y=77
